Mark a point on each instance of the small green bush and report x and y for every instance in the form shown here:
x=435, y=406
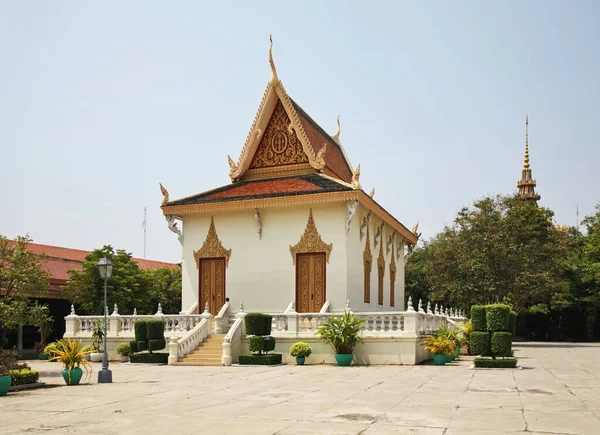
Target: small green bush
x=269, y=343
x=155, y=329
x=124, y=349
x=260, y=360
x=140, y=329
x=258, y=324
x=497, y=317
x=156, y=344
x=502, y=343
x=149, y=358
x=486, y=363
x=300, y=349
x=512, y=323
x=478, y=318
x=51, y=348
x=256, y=343
x=138, y=346
x=23, y=376
x=480, y=343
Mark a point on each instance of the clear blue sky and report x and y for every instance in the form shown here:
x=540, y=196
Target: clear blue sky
x=99, y=102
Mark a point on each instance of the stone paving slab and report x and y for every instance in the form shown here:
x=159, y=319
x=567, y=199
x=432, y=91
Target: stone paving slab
x=557, y=392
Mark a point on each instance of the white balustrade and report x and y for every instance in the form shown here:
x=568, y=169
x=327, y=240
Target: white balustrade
x=179, y=348
x=232, y=341
x=222, y=319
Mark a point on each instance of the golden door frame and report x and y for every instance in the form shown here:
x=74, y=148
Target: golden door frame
x=202, y=303
x=324, y=296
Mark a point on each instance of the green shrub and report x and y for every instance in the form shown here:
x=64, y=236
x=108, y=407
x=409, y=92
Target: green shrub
x=260, y=360
x=486, y=363
x=269, y=343
x=502, y=343
x=258, y=324
x=300, y=349
x=497, y=317
x=478, y=318
x=480, y=343
x=149, y=358
x=139, y=346
x=256, y=343
x=124, y=349
x=51, y=348
x=156, y=344
x=23, y=376
x=512, y=323
x=140, y=329
x=155, y=329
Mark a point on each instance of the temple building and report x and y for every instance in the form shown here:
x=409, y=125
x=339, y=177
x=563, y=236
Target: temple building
x=527, y=183
x=294, y=229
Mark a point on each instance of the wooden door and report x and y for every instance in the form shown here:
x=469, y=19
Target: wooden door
x=212, y=284
x=310, y=282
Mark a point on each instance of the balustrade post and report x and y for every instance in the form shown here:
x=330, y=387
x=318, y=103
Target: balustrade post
x=411, y=320
x=72, y=323
x=292, y=321
x=173, y=351
x=209, y=317
x=227, y=358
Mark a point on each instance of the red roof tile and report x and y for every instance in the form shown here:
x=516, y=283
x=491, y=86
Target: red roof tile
x=267, y=188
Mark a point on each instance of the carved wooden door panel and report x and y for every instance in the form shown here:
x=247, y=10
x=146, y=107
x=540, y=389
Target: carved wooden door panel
x=310, y=282
x=212, y=284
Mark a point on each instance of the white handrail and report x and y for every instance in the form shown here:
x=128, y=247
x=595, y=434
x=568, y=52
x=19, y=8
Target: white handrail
x=193, y=309
x=179, y=348
x=222, y=319
x=325, y=307
x=232, y=341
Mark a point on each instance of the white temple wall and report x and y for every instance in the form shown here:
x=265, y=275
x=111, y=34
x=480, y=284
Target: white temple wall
x=261, y=273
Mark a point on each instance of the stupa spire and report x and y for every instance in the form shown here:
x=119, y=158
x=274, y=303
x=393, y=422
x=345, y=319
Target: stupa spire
x=527, y=183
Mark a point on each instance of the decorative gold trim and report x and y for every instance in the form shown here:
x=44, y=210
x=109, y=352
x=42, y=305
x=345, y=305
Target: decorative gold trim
x=393, y=265
x=276, y=171
x=372, y=194
x=165, y=194
x=311, y=241
x=367, y=255
x=381, y=257
x=367, y=267
x=289, y=201
x=355, y=178
x=212, y=246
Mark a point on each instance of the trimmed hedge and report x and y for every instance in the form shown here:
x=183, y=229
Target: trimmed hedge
x=512, y=323
x=260, y=360
x=23, y=376
x=478, y=318
x=480, y=343
x=261, y=343
x=157, y=344
x=485, y=363
x=155, y=329
x=139, y=328
x=258, y=324
x=497, y=317
x=502, y=343
x=149, y=358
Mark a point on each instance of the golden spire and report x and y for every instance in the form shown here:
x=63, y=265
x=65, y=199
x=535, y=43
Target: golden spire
x=274, y=79
x=336, y=136
x=526, y=165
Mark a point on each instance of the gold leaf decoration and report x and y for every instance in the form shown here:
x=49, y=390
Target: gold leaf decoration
x=310, y=241
x=212, y=247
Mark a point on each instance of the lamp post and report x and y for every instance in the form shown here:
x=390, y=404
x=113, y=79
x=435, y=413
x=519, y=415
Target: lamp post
x=105, y=268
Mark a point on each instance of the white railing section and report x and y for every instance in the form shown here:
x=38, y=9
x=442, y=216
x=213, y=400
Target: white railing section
x=87, y=323
x=193, y=309
x=222, y=319
x=178, y=348
x=325, y=307
x=232, y=342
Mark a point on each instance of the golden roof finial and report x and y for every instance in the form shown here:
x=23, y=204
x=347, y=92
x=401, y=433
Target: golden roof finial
x=526, y=165
x=165, y=194
x=274, y=79
x=336, y=136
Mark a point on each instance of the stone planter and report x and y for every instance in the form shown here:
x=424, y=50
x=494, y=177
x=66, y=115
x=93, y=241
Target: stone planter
x=96, y=357
x=124, y=358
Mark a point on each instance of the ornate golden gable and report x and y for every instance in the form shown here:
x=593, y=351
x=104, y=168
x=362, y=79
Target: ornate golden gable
x=212, y=246
x=279, y=144
x=310, y=241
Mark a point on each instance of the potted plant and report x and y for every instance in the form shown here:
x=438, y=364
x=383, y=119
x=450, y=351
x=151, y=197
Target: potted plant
x=38, y=348
x=71, y=354
x=441, y=347
x=300, y=351
x=342, y=334
x=97, y=339
x=124, y=349
x=50, y=349
x=7, y=360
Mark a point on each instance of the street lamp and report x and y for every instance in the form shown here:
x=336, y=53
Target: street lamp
x=105, y=268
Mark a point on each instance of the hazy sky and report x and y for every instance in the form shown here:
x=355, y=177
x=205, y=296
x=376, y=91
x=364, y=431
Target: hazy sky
x=101, y=101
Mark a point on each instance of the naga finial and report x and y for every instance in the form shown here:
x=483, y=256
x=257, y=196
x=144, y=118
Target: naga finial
x=232, y=165
x=372, y=194
x=355, y=178
x=415, y=228
x=320, y=158
x=165, y=194
x=274, y=79
x=336, y=136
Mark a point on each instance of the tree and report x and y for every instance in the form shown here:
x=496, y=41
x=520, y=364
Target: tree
x=22, y=277
x=128, y=286
x=165, y=288
x=502, y=249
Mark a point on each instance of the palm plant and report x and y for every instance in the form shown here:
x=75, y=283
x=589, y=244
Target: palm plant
x=72, y=355
x=342, y=332
x=439, y=345
x=97, y=335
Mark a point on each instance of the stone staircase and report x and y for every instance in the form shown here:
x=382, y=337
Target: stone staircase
x=208, y=353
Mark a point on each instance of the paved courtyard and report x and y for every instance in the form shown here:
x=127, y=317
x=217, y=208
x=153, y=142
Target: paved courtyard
x=557, y=392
